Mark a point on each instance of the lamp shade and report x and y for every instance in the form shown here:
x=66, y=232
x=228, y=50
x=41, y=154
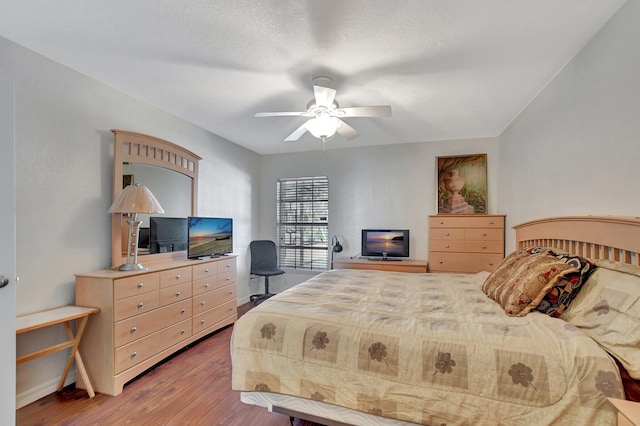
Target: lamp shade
x=323, y=126
x=135, y=199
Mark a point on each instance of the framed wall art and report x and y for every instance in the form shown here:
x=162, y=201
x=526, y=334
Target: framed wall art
x=462, y=184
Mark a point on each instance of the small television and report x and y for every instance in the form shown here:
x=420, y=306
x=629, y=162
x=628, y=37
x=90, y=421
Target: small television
x=385, y=244
x=209, y=237
x=167, y=234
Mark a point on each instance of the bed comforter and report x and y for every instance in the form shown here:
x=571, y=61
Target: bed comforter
x=422, y=348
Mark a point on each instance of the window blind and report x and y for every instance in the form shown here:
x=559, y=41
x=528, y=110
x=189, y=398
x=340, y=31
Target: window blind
x=302, y=222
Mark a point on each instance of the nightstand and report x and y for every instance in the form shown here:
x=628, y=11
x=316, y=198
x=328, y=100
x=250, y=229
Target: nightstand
x=628, y=412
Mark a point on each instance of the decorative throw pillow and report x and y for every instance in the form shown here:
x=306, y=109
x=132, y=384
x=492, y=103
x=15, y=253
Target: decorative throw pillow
x=565, y=290
x=608, y=310
x=502, y=272
x=529, y=282
x=513, y=261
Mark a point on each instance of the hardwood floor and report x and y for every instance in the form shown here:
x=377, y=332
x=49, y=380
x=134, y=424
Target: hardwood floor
x=191, y=388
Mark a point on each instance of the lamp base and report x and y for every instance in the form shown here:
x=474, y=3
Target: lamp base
x=132, y=267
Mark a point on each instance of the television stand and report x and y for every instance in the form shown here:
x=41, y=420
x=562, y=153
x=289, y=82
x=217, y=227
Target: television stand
x=398, y=265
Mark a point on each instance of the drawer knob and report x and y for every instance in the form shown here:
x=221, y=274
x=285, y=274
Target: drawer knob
x=201, y=321
x=178, y=277
x=206, y=285
x=134, y=329
x=228, y=278
x=228, y=265
x=490, y=222
x=447, y=234
x=202, y=303
x=442, y=222
x=484, y=234
x=490, y=263
x=140, y=305
x=441, y=262
x=206, y=270
x=447, y=246
x=140, y=285
x=182, y=331
x=178, y=294
x=230, y=291
x=133, y=354
x=182, y=311
x=484, y=247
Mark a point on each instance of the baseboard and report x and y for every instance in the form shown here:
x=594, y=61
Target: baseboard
x=42, y=390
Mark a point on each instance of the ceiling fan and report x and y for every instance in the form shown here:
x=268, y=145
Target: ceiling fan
x=326, y=115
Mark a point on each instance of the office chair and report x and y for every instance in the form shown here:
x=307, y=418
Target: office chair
x=264, y=262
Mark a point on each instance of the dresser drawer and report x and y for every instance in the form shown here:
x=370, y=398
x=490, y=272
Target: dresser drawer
x=466, y=221
x=138, y=304
x=175, y=276
x=483, y=247
x=142, y=325
x=227, y=277
x=209, y=318
x=463, y=262
x=213, y=298
x=204, y=285
x=205, y=270
x=129, y=355
x=138, y=284
x=484, y=234
x=175, y=293
x=226, y=264
x=446, y=234
x=444, y=245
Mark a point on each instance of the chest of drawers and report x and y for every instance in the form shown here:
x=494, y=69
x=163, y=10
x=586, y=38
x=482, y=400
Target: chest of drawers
x=465, y=243
x=148, y=315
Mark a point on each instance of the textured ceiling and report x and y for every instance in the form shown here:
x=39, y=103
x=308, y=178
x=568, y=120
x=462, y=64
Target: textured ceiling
x=450, y=69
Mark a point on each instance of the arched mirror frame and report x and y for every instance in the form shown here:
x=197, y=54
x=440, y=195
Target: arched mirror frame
x=132, y=147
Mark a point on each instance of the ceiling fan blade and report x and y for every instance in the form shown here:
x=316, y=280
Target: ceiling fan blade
x=366, y=111
x=297, y=133
x=324, y=95
x=347, y=131
x=281, y=114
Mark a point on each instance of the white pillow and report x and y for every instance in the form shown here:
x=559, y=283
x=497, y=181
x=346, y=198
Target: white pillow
x=607, y=308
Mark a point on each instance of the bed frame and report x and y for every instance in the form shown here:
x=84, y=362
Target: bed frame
x=594, y=237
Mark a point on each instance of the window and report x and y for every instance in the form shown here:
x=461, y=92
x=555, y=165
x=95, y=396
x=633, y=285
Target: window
x=302, y=222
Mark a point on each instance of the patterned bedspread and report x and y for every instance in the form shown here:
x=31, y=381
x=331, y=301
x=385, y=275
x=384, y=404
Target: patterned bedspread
x=422, y=348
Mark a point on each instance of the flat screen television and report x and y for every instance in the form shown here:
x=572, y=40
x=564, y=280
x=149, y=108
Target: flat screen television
x=385, y=244
x=209, y=237
x=167, y=234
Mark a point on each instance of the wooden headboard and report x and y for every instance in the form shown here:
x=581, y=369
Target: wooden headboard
x=593, y=237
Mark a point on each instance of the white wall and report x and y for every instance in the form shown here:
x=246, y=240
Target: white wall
x=64, y=153
x=576, y=147
x=381, y=186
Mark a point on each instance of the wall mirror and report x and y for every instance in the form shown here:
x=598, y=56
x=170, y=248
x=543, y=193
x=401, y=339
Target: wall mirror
x=168, y=170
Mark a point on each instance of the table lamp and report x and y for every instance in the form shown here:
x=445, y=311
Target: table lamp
x=132, y=200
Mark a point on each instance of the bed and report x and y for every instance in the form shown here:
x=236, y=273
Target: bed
x=533, y=342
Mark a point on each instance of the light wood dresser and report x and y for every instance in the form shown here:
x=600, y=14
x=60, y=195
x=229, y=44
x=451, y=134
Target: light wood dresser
x=404, y=265
x=146, y=316
x=465, y=243
x=628, y=412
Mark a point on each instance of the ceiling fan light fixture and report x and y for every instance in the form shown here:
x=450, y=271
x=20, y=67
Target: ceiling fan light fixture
x=323, y=127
